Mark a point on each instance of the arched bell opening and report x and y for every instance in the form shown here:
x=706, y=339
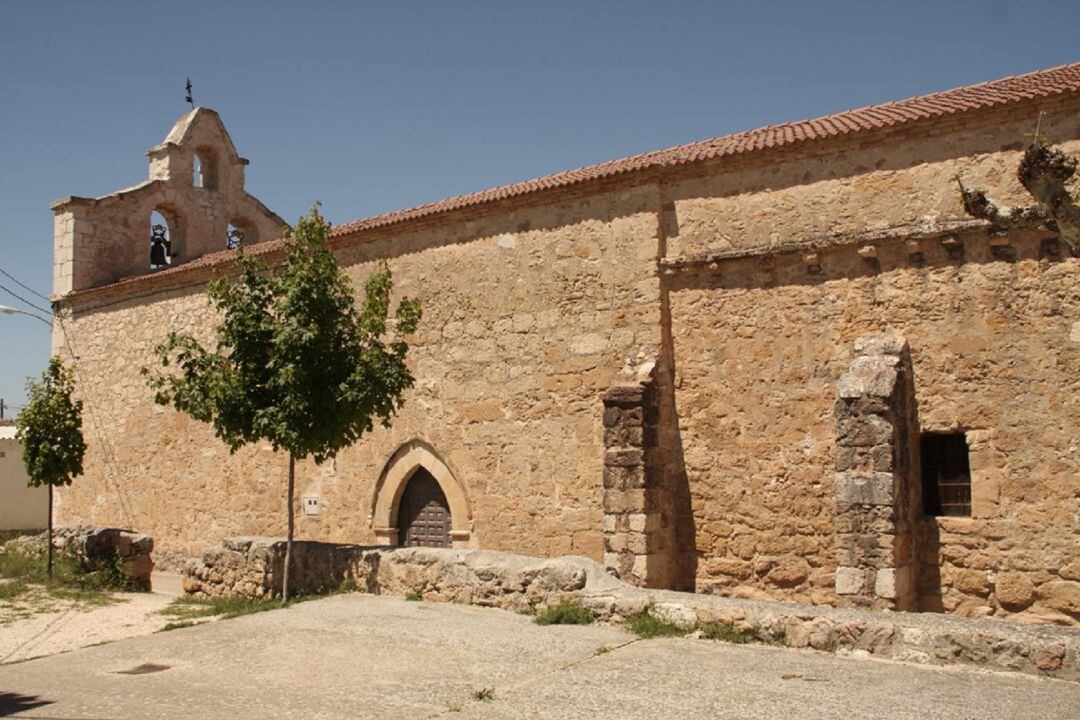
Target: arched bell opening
x=165, y=236
x=240, y=232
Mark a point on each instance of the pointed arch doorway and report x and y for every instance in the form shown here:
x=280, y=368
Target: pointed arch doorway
x=423, y=513
x=419, y=500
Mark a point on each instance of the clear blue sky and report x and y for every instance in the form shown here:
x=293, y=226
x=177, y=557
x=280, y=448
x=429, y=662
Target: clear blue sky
x=371, y=107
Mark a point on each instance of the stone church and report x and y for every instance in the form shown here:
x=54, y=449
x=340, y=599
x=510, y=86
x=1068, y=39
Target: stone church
x=779, y=364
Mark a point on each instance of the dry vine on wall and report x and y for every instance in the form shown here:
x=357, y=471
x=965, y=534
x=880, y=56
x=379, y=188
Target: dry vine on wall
x=1045, y=172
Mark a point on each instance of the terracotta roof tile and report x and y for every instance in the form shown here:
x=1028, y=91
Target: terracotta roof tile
x=1055, y=81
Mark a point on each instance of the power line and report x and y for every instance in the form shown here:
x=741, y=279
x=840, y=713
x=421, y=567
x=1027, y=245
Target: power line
x=24, y=286
x=21, y=298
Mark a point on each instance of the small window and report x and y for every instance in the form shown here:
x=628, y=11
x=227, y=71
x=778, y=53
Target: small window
x=946, y=475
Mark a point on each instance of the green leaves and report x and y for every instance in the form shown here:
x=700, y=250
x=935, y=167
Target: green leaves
x=296, y=363
x=50, y=428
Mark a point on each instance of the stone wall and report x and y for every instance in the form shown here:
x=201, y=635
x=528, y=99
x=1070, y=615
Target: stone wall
x=528, y=320
x=770, y=266
x=837, y=191
x=132, y=552
x=992, y=357
x=774, y=272
x=252, y=567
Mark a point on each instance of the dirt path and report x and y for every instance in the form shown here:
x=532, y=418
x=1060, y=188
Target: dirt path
x=69, y=625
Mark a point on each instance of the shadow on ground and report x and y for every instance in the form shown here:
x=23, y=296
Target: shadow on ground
x=11, y=703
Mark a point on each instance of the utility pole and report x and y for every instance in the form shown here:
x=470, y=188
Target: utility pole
x=1, y=408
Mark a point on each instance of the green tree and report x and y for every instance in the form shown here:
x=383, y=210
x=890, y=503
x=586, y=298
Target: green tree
x=296, y=364
x=50, y=430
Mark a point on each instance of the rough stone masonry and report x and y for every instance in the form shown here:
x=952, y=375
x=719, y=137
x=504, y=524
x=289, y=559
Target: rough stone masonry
x=783, y=364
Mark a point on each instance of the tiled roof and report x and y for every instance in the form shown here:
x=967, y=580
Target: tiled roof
x=1017, y=88
x=1043, y=83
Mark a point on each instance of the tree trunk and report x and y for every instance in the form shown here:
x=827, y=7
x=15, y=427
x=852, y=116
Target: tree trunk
x=288, y=540
x=49, y=540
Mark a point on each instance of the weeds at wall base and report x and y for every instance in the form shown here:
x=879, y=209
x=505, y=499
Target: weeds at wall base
x=566, y=612
x=646, y=625
x=724, y=632
x=224, y=607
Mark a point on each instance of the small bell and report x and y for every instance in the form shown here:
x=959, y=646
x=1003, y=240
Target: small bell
x=158, y=247
x=235, y=238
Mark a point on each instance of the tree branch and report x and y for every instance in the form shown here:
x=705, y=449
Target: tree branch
x=1044, y=172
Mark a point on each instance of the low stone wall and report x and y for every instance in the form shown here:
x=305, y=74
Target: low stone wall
x=93, y=545
x=252, y=566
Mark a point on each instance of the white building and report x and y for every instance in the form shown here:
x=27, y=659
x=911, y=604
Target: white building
x=21, y=507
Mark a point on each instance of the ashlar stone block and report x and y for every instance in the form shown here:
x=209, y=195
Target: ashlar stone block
x=892, y=583
x=854, y=488
x=850, y=580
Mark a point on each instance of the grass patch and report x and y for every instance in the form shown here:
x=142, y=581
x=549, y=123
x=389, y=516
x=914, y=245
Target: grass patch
x=17, y=566
x=73, y=581
x=483, y=695
x=83, y=596
x=646, y=625
x=178, y=625
x=12, y=589
x=348, y=585
x=413, y=596
x=226, y=607
x=67, y=572
x=567, y=612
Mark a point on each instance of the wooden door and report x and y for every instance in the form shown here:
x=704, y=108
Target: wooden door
x=424, y=514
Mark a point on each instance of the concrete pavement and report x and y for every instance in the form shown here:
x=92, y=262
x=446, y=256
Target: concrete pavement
x=362, y=656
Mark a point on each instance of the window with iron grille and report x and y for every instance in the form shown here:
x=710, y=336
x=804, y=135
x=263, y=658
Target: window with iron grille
x=946, y=475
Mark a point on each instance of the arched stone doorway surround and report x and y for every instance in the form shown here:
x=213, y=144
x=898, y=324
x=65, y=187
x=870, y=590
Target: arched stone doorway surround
x=397, y=471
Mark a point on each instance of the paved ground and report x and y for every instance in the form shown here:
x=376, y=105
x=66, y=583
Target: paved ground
x=360, y=656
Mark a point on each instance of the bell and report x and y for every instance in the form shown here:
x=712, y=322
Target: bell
x=159, y=247
x=157, y=255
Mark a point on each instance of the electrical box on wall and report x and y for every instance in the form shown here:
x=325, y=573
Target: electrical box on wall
x=311, y=505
